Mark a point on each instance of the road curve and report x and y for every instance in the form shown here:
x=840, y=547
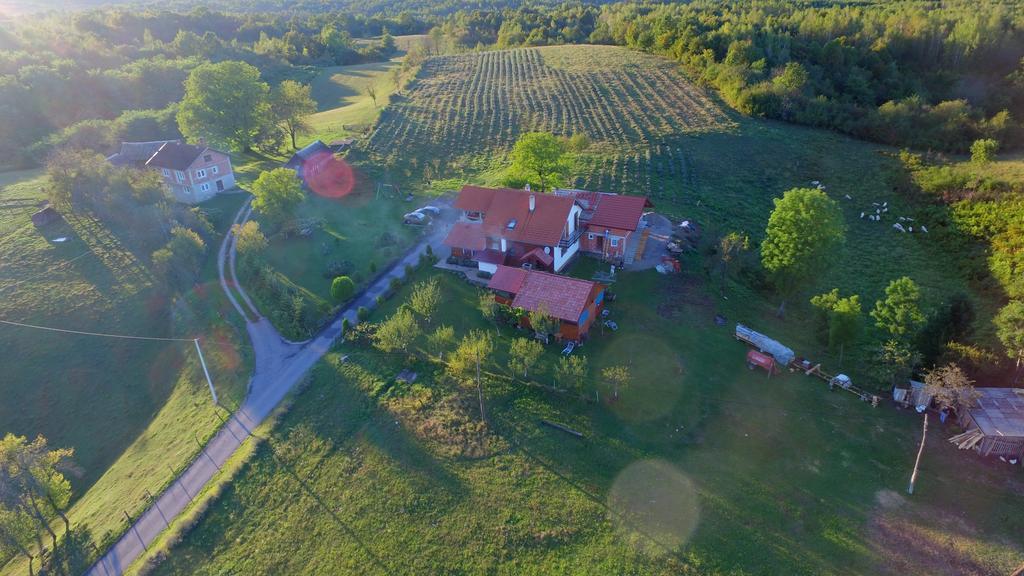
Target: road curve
x=279, y=365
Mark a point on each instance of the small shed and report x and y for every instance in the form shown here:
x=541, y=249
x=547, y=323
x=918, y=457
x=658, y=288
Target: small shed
x=338, y=146
x=45, y=216
x=998, y=414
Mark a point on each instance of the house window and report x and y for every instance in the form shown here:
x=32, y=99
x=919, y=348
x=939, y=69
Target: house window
x=215, y=169
x=590, y=236
x=615, y=242
x=187, y=190
x=201, y=173
x=166, y=172
x=205, y=187
x=599, y=298
x=180, y=175
x=207, y=158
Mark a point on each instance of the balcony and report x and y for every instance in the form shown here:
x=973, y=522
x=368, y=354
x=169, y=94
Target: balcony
x=571, y=239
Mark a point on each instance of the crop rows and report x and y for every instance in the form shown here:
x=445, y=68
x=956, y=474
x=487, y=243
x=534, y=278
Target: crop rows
x=630, y=105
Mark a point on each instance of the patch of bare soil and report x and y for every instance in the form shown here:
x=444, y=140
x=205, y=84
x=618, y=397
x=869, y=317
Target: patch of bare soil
x=684, y=295
x=929, y=542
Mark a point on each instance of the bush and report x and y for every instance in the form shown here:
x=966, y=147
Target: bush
x=484, y=275
x=379, y=300
x=362, y=313
x=345, y=325
x=984, y=151
x=395, y=284
x=409, y=269
x=342, y=288
x=373, y=267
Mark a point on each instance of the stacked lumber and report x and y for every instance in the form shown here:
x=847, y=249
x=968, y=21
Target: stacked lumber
x=967, y=440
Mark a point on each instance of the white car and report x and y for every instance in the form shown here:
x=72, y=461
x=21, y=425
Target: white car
x=432, y=210
x=414, y=218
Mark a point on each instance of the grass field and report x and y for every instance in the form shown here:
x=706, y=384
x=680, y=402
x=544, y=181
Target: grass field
x=129, y=408
x=344, y=107
x=702, y=467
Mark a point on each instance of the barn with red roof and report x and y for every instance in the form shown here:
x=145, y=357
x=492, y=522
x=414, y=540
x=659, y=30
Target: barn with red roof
x=574, y=302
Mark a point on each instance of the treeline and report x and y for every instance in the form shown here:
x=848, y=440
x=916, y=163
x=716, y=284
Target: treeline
x=904, y=73
x=119, y=73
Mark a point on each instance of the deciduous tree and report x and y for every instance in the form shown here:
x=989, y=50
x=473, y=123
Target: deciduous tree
x=542, y=159
x=899, y=313
x=523, y=353
x=618, y=377
x=180, y=259
x=249, y=240
x=730, y=247
x=842, y=317
x=225, y=103
x=425, y=298
x=571, y=371
x=1010, y=330
x=278, y=193
x=291, y=104
x=950, y=388
x=542, y=323
x=440, y=340
x=397, y=332
x=473, y=352
x=803, y=235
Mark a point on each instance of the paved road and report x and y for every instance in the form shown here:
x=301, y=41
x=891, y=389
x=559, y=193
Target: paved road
x=279, y=365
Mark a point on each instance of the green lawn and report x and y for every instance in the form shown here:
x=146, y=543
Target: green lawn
x=344, y=107
x=129, y=408
x=702, y=467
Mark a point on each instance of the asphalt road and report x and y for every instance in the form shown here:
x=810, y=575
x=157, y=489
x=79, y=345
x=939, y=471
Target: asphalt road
x=279, y=365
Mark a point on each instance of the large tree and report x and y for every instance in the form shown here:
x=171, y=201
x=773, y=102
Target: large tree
x=802, y=239
x=32, y=487
x=950, y=388
x=277, y=194
x=899, y=313
x=541, y=159
x=181, y=258
x=842, y=318
x=225, y=103
x=291, y=104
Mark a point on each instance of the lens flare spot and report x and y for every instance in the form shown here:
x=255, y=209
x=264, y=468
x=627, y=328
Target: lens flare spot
x=654, y=506
x=329, y=176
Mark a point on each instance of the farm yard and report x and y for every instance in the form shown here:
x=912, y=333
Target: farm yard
x=367, y=474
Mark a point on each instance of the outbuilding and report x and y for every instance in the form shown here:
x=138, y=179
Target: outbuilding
x=998, y=416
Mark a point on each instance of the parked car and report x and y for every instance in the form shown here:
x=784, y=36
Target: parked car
x=432, y=210
x=414, y=218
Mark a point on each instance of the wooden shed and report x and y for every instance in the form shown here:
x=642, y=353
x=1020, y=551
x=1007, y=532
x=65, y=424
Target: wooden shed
x=999, y=415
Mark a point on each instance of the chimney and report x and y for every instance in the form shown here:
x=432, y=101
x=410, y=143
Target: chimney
x=504, y=245
x=533, y=202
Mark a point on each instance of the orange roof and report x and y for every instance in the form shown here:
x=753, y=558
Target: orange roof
x=561, y=297
x=507, y=279
x=466, y=235
x=616, y=211
x=507, y=213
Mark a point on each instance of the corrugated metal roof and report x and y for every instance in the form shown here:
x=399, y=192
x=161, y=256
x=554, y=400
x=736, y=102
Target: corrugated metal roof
x=999, y=412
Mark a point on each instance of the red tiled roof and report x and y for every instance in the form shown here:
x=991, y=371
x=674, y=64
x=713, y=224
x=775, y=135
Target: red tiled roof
x=616, y=211
x=561, y=297
x=467, y=235
x=490, y=257
x=507, y=279
x=540, y=255
x=541, y=227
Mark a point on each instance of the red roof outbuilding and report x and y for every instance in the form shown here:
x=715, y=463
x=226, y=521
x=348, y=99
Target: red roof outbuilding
x=561, y=297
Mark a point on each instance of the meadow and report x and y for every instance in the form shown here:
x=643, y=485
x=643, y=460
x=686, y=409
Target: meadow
x=702, y=466
x=344, y=105
x=131, y=409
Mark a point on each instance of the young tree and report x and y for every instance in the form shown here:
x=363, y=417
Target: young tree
x=342, y=288
x=541, y=158
x=896, y=361
x=842, y=318
x=17, y=531
x=950, y=388
x=617, y=377
x=984, y=150
x=489, y=308
x=32, y=484
x=371, y=91
x=730, y=247
x=249, y=241
x=803, y=235
x=523, y=353
x=425, y=298
x=899, y=313
x=542, y=323
x=472, y=353
x=571, y=371
x=278, y=193
x=1007, y=260
x=397, y=332
x=291, y=104
x=441, y=340
x=1010, y=330
x=226, y=103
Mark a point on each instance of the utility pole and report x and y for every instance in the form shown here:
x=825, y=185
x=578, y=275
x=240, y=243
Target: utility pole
x=917, y=462
x=207, y=372
x=479, y=389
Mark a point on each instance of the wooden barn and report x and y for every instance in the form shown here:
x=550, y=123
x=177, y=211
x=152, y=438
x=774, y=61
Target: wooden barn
x=995, y=425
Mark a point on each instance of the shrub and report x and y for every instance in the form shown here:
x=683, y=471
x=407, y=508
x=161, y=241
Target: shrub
x=984, y=150
x=362, y=313
x=395, y=284
x=379, y=300
x=409, y=269
x=345, y=325
x=373, y=267
x=342, y=288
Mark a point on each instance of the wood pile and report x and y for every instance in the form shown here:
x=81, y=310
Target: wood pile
x=967, y=440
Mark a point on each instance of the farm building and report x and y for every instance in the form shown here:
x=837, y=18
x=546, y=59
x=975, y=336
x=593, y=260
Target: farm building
x=135, y=154
x=997, y=420
x=340, y=145
x=609, y=222
x=575, y=303
x=311, y=160
x=45, y=216
x=505, y=226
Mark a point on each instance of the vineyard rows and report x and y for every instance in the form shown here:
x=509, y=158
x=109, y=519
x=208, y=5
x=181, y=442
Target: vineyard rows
x=632, y=106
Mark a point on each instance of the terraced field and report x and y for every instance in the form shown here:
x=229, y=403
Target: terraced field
x=633, y=107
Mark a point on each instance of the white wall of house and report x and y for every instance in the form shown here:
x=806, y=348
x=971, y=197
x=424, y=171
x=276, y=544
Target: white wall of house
x=487, y=267
x=563, y=255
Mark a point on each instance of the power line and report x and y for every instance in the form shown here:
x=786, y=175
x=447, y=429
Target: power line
x=101, y=334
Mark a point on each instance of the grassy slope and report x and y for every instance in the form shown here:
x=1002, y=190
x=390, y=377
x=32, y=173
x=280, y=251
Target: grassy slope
x=368, y=477
x=343, y=106
x=791, y=479
x=128, y=408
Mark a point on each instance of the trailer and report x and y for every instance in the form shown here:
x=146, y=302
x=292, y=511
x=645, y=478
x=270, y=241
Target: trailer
x=782, y=355
x=840, y=381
